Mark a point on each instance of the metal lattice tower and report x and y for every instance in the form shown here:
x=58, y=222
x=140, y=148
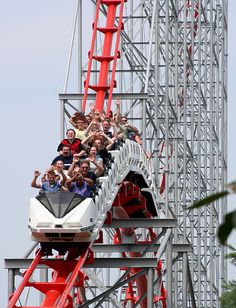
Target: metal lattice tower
x=173, y=69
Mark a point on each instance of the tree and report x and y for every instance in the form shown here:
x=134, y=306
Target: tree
x=228, y=298
x=229, y=222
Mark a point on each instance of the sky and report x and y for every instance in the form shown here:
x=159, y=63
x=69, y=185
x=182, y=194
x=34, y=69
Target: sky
x=35, y=38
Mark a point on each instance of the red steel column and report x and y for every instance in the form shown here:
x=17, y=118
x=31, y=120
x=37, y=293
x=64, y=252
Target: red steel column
x=102, y=81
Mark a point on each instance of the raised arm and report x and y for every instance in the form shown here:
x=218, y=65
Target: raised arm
x=117, y=112
x=69, y=181
x=111, y=141
x=72, y=121
x=76, y=158
x=100, y=169
x=133, y=128
x=89, y=128
x=114, y=126
x=88, y=180
x=86, y=140
x=34, y=183
x=64, y=178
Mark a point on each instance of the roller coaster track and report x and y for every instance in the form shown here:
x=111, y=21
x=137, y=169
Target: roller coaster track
x=106, y=58
x=117, y=201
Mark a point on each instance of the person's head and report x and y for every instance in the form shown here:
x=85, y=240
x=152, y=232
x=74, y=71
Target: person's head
x=80, y=124
x=94, y=128
x=70, y=134
x=88, y=118
x=59, y=165
x=110, y=115
x=86, y=124
x=66, y=150
x=79, y=179
x=85, y=165
x=51, y=177
x=106, y=125
x=93, y=151
x=123, y=120
x=97, y=143
x=97, y=116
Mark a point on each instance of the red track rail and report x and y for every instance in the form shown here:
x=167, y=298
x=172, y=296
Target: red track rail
x=129, y=192
x=66, y=275
x=104, y=84
x=14, y=298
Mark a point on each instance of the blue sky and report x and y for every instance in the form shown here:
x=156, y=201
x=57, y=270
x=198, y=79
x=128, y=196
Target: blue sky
x=35, y=38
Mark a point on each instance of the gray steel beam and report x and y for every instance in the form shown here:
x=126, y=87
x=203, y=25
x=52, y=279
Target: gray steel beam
x=191, y=290
x=98, y=263
x=150, y=286
x=112, y=289
x=119, y=248
x=122, y=96
x=11, y=280
x=142, y=223
x=169, y=276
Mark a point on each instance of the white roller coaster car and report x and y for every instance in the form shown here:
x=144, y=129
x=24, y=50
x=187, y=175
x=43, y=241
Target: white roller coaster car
x=62, y=217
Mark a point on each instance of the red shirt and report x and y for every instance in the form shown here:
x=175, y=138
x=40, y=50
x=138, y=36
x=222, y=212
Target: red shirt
x=75, y=146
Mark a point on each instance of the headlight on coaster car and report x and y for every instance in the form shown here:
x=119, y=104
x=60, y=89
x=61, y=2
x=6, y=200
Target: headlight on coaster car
x=72, y=225
x=44, y=225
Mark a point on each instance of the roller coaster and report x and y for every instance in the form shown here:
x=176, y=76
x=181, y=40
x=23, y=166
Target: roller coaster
x=135, y=243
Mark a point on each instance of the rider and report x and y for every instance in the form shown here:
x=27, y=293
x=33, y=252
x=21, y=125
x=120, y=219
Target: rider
x=51, y=184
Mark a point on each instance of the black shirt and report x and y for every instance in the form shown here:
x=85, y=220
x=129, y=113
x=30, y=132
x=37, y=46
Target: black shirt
x=67, y=160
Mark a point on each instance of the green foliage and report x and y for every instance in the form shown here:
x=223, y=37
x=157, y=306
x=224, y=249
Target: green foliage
x=226, y=227
x=209, y=199
x=232, y=256
x=229, y=222
x=228, y=299
x=229, y=286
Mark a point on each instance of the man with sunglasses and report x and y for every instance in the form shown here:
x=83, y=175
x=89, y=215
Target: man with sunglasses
x=86, y=172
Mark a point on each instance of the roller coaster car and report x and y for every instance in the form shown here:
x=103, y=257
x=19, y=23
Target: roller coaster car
x=62, y=217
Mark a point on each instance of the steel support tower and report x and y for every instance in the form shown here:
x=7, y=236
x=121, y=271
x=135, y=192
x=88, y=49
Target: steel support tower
x=171, y=77
x=172, y=80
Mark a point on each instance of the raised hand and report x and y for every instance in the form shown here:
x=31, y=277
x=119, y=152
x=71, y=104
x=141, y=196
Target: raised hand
x=93, y=134
x=37, y=173
x=91, y=106
x=76, y=158
x=81, y=153
x=117, y=102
